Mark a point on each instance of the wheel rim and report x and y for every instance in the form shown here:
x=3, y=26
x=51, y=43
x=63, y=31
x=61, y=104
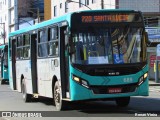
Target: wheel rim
x=57, y=96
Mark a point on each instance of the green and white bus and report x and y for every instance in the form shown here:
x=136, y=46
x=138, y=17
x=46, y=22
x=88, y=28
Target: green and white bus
x=86, y=55
x=4, y=64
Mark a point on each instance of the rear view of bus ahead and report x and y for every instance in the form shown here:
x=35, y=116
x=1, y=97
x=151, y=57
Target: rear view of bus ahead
x=4, y=64
x=86, y=55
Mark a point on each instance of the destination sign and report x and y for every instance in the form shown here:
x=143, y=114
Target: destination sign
x=105, y=18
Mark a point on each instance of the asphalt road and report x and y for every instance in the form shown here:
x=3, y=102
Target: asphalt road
x=139, y=107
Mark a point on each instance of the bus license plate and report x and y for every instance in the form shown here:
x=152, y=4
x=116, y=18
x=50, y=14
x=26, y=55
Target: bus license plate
x=114, y=90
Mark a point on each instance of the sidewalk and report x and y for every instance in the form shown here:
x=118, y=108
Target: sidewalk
x=153, y=83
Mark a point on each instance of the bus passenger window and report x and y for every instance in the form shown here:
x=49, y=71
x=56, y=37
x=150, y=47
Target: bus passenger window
x=43, y=44
x=26, y=47
x=19, y=53
x=19, y=41
x=26, y=53
x=53, y=41
x=42, y=50
x=53, y=48
x=53, y=33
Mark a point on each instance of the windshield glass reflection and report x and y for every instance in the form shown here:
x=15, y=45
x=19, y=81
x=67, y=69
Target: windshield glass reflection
x=107, y=45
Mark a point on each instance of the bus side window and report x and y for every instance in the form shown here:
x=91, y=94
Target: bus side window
x=19, y=52
x=43, y=44
x=53, y=48
x=26, y=53
x=53, y=41
x=26, y=47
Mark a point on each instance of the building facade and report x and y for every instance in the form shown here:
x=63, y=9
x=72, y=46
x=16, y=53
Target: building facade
x=61, y=7
x=3, y=21
x=47, y=9
x=151, y=12
x=29, y=12
x=7, y=19
x=12, y=13
x=150, y=9
x=17, y=14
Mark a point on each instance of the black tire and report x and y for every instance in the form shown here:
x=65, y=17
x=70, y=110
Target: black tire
x=123, y=102
x=2, y=82
x=26, y=97
x=57, y=98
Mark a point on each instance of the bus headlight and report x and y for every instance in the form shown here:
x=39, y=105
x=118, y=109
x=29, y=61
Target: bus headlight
x=142, y=78
x=145, y=75
x=76, y=79
x=80, y=81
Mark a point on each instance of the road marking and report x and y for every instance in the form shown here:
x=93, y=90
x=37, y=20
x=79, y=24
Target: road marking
x=154, y=90
x=6, y=119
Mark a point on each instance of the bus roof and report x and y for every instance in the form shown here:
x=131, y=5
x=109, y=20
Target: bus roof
x=41, y=25
x=62, y=18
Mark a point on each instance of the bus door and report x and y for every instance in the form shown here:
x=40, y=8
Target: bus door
x=13, y=63
x=5, y=63
x=1, y=63
x=64, y=60
x=34, y=62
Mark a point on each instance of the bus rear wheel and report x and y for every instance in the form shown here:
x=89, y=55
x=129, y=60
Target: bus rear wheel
x=57, y=95
x=26, y=97
x=2, y=82
x=123, y=102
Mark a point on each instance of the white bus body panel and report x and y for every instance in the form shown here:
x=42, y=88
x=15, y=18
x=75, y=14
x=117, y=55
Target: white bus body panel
x=23, y=67
x=45, y=72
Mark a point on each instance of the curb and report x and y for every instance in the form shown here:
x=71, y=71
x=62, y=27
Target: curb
x=154, y=84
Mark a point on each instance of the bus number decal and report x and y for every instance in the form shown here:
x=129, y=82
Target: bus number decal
x=86, y=19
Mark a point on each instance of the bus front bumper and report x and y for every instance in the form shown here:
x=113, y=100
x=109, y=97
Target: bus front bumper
x=80, y=92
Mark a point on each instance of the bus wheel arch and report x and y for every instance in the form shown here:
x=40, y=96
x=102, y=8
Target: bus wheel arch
x=54, y=79
x=26, y=97
x=57, y=95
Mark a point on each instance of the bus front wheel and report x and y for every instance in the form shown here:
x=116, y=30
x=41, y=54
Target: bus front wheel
x=123, y=102
x=57, y=95
x=26, y=97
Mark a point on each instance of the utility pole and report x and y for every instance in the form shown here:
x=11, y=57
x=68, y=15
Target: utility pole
x=102, y=4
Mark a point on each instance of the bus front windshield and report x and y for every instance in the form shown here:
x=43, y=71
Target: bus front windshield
x=99, y=45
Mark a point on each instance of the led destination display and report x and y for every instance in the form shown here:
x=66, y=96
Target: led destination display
x=107, y=18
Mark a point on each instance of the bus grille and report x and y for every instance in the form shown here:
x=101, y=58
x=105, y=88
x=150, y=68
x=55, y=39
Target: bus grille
x=110, y=69
x=105, y=89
